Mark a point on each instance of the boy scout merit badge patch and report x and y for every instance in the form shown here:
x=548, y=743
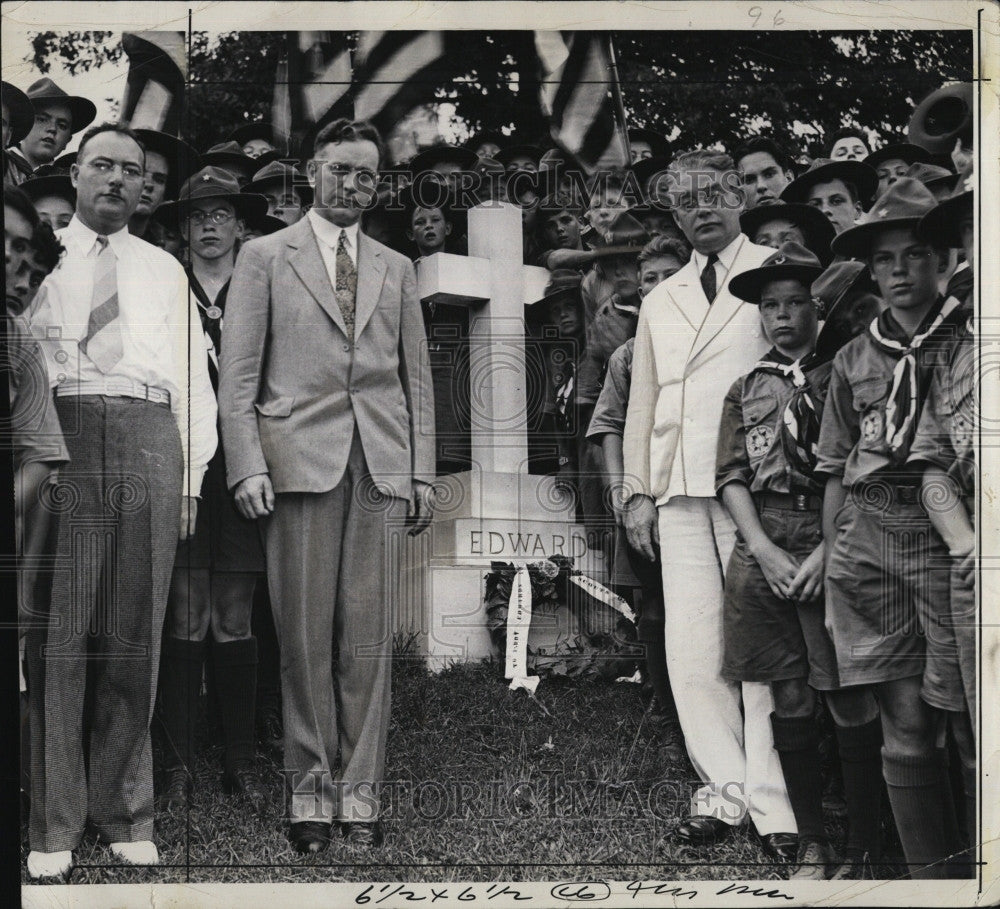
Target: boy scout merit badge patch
x=759, y=440
x=871, y=425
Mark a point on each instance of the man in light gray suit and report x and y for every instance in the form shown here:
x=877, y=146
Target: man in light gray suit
x=328, y=426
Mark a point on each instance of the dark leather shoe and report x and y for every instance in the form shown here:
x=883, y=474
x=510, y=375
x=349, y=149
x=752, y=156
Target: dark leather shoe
x=309, y=836
x=857, y=866
x=782, y=846
x=176, y=795
x=814, y=861
x=701, y=830
x=243, y=781
x=366, y=835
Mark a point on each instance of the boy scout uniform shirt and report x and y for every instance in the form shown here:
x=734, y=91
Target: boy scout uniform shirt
x=946, y=432
x=750, y=449
x=612, y=405
x=609, y=325
x=852, y=439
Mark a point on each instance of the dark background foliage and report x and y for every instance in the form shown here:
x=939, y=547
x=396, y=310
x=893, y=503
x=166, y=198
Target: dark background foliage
x=698, y=87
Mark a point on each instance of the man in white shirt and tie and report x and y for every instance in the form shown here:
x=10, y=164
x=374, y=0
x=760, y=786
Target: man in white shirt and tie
x=124, y=351
x=694, y=339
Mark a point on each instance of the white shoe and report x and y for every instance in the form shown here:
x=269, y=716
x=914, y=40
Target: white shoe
x=49, y=864
x=141, y=852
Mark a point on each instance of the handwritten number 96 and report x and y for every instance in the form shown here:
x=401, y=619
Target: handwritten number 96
x=755, y=13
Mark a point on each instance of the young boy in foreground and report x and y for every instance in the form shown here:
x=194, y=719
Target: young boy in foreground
x=774, y=611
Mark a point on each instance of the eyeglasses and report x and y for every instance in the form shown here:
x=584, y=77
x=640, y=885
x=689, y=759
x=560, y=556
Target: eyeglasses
x=219, y=216
x=104, y=166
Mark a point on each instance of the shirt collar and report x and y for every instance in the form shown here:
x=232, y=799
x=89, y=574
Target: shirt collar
x=85, y=237
x=328, y=233
x=727, y=255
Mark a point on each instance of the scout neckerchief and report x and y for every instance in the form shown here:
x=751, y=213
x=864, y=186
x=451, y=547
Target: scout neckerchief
x=211, y=320
x=564, y=393
x=800, y=421
x=902, y=408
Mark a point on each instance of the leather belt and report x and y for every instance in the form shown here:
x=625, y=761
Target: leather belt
x=788, y=501
x=114, y=388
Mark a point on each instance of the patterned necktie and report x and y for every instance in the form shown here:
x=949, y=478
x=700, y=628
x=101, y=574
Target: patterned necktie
x=800, y=421
x=103, y=343
x=902, y=406
x=708, y=280
x=347, y=283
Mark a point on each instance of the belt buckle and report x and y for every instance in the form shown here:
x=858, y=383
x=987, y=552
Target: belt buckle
x=800, y=502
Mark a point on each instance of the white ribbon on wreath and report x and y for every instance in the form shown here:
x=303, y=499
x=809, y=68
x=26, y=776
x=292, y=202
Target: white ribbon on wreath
x=519, y=623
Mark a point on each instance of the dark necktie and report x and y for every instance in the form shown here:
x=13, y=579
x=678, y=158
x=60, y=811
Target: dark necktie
x=347, y=284
x=103, y=343
x=708, y=279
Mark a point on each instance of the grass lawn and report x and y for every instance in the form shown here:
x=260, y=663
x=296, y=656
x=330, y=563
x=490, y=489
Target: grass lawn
x=483, y=784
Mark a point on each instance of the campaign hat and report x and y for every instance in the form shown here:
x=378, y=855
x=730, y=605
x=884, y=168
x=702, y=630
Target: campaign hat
x=286, y=175
x=818, y=230
x=902, y=205
x=823, y=170
x=19, y=110
x=791, y=262
x=940, y=226
x=216, y=183
x=45, y=92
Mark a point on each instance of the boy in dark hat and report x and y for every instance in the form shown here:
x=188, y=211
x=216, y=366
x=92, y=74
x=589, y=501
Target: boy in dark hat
x=446, y=163
x=892, y=161
x=646, y=143
x=848, y=296
x=521, y=157
x=215, y=570
x=774, y=615
x=287, y=191
x=486, y=143
x=944, y=448
x=231, y=157
x=58, y=117
x=766, y=170
x=885, y=604
x=18, y=119
x=848, y=144
x=790, y=222
x=53, y=197
x=259, y=140
x=169, y=162
x=839, y=189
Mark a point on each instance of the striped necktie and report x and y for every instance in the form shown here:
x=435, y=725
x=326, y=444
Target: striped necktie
x=347, y=284
x=103, y=343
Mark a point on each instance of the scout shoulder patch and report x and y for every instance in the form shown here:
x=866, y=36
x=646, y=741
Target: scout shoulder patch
x=759, y=441
x=872, y=425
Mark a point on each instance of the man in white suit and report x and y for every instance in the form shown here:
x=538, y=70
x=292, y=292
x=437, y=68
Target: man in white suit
x=694, y=339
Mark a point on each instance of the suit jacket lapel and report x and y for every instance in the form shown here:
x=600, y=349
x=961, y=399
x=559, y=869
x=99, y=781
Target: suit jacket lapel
x=307, y=262
x=721, y=312
x=371, y=275
x=688, y=296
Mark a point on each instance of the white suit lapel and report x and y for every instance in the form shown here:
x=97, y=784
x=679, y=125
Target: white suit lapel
x=723, y=309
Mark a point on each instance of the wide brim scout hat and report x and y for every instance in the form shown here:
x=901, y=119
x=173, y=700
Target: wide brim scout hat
x=181, y=157
x=442, y=154
x=52, y=184
x=486, y=135
x=932, y=176
x=823, y=170
x=625, y=236
x=840, y=283
x=63, y=163
x=904, y=151
x=45, y=92
x=215, y=183
x=522, y=150
x=284, y=175
x=816, y=226
x=790, y=262
x=19, y=111
x=940, y=226
x=266, y=224
x=230, y=156
x=944, y=116
x=564, y=284
x=657, y=141
x=902, y=205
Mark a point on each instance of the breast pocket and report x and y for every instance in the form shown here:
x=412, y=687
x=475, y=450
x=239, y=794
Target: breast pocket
x=869, y=399
x=759, y=425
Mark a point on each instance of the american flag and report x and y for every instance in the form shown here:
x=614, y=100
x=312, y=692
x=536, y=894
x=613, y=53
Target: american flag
x=154, y=89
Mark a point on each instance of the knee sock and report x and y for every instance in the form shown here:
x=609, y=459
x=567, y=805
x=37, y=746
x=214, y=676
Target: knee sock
x=860, y=749
x=921, y=803
x=181, y=665
x=796, y=739
x=236, y=687
x=953, y=788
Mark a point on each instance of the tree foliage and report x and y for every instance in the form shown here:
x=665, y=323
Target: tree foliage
x=698, y=87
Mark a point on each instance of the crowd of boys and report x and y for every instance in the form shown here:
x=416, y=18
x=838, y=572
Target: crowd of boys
x=755, y=372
